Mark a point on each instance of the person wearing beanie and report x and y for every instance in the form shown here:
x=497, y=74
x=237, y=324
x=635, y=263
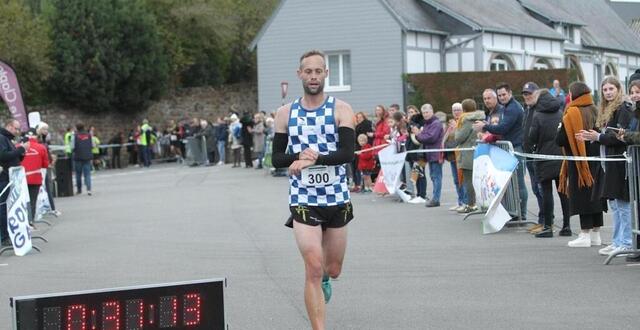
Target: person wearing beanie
x=635, y=76
x=35, y=159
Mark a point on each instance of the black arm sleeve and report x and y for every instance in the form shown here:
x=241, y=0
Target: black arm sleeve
x=346, y=148
x=279, y=157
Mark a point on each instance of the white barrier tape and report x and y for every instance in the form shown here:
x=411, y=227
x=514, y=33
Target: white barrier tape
x=573, y=158
x=372, y=148
x=416, y=151
x=57, y=147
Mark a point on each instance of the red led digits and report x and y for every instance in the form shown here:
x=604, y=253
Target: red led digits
x=111, y=315
x=77, y=317
x=191, y=309
x=168, y=311
x=134, y=311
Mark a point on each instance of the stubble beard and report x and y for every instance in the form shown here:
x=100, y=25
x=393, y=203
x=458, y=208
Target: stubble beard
x=316, y=91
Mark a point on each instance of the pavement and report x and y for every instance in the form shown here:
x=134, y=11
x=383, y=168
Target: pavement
x=406, y=267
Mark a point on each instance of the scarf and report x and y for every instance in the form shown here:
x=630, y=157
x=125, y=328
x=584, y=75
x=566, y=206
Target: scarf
x=572, y=122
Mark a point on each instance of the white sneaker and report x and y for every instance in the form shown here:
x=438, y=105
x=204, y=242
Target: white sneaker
x=417, y=200
x=583, y=240
x=454, y=208
x=605, y=251
x=595, y=238
x=620, y=249
x=220, y=163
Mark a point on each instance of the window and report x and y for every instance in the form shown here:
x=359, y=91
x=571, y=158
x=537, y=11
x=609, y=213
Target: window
x=574, y=64
x=501, y=63
x=567, y=31
x=339, y=79
x=610, y=70
x=542, y=64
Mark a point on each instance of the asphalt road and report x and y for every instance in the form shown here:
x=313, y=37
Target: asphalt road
x=407, y=267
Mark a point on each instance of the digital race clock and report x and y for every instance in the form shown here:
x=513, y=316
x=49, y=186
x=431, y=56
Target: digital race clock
x=194, y=305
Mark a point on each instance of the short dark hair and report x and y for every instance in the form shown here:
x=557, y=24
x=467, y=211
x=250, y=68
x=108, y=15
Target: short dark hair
x=503, y=85
x=395, y=105
x=310, y=53
x=578, y=89
x=80, y=126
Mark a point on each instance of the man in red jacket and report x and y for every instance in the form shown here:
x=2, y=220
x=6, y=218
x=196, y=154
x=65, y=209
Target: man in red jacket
x=35, y=159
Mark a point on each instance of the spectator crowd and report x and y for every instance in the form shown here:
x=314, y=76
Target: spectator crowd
x=548, y=122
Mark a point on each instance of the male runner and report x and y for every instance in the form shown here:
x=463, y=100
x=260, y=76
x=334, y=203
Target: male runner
x=314, y=138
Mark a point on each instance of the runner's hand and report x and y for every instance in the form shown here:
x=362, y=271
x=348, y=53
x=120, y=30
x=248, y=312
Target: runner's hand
x=309, y=154
x=296, y=167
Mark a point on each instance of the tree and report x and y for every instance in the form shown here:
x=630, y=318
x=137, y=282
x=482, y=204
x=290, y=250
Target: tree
x=25, y=43
x=108, y=54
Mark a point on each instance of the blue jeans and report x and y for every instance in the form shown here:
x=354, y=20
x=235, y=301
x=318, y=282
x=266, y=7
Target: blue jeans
x=535, y=186
x=146, y=156
x=221, y=149
x=435, y=173
x=522, y=186
x=462, y=196
x=621, y=222
x=83, y=167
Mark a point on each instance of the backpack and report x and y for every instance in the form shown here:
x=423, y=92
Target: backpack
x=237, y=132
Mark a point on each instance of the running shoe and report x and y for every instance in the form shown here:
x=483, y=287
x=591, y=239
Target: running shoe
x=326, y=288
x=605, y=251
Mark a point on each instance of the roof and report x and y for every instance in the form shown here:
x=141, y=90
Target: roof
x=603, y=28
x=552, y=12
x=482, y=16
x=635, y=26
x=412, y=16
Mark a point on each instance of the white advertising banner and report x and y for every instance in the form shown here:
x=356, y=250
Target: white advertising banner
x=492, y=169
x=18, y=211
x=392, y=165
x=42, y=202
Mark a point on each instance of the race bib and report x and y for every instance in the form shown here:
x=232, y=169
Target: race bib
x=319, y=176
x=174, y=138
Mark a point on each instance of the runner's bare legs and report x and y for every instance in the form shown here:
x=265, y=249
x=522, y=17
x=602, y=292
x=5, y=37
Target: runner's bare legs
x=321, y=253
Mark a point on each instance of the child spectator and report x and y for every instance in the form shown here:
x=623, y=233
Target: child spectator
x=366, y=163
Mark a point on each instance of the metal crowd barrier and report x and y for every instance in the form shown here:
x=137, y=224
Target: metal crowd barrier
x=633, y=174
x=511, y=198
x=196, y=149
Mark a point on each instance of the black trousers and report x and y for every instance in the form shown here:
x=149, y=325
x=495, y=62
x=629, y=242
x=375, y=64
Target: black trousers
x=247, y=156
x=33, y=198
x=115, y=158
x=4, y=233
x=590, y=220
x=547, y=203
x=47, y=185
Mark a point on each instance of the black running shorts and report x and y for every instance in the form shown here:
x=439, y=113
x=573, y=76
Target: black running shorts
x=325, y=216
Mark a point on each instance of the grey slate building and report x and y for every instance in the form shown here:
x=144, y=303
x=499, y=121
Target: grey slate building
x=371, y=44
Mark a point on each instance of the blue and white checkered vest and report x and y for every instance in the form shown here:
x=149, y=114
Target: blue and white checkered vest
x=315, y=129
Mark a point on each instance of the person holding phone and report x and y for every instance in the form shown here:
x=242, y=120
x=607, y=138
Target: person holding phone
x=614, y=113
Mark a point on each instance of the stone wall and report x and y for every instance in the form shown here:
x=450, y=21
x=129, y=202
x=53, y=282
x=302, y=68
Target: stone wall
x=204, y=102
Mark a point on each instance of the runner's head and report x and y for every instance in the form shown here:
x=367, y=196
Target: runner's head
x=312, y=72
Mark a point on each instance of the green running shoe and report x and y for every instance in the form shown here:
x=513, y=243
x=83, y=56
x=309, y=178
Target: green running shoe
x=326, y=288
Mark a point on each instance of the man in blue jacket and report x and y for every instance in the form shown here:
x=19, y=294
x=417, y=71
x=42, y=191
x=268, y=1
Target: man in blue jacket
x=510, y=128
